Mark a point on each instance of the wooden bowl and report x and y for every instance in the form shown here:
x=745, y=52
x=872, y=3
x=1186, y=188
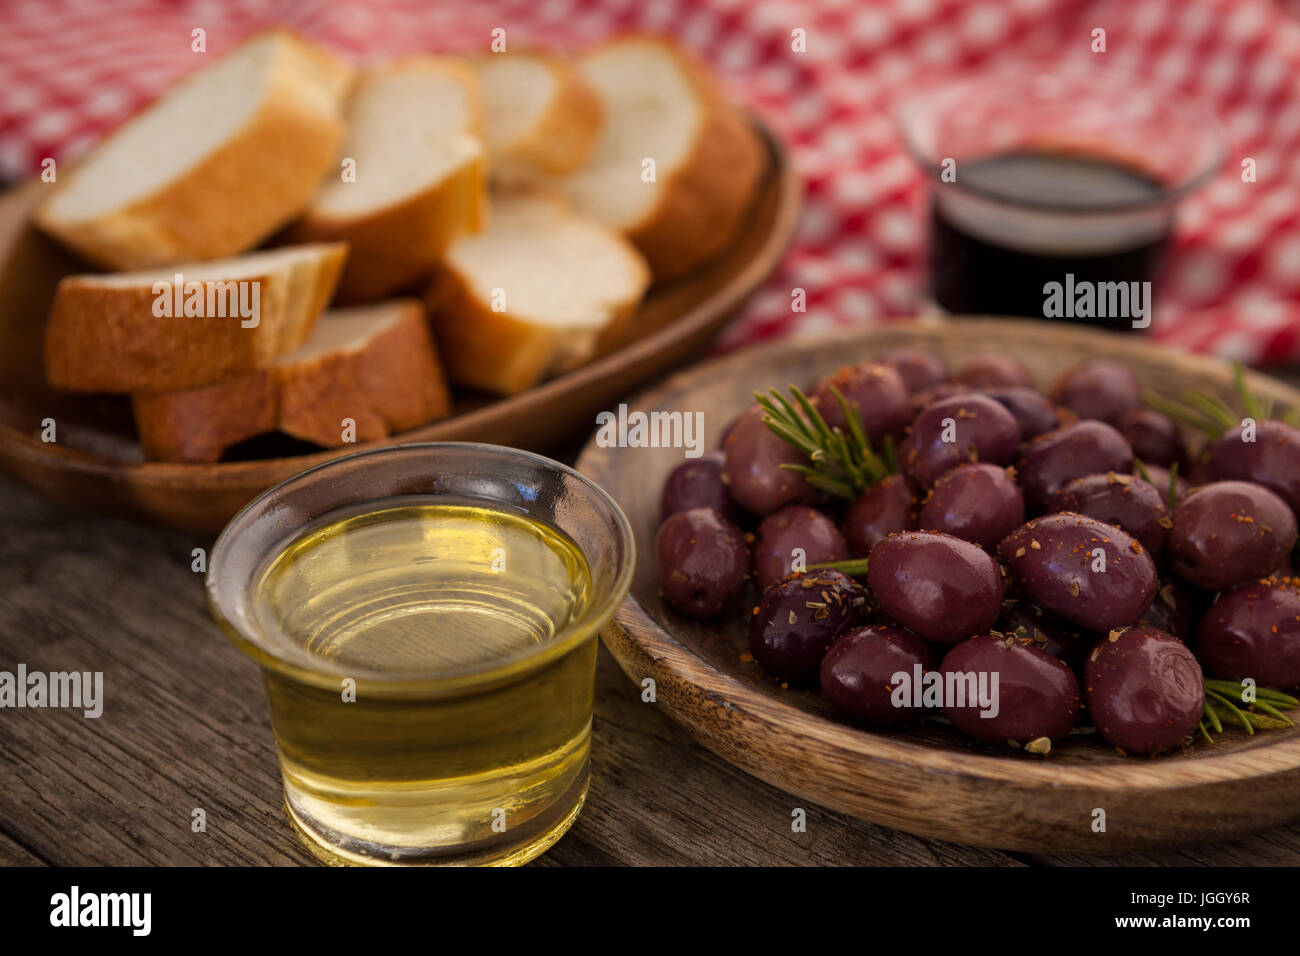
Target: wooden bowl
x=95, y=463
x=930, y=780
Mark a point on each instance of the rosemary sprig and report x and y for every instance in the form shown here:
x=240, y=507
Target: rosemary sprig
x=1172, y=492
x=842, y=464
x=1263, y=713
x=1212, y=415
x=853, y=567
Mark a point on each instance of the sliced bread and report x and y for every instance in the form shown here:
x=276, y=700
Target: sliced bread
x=375, y=365
x=660, y=104
x=535, y=293
x=218, y=163
x=419, y=175
x=539, y=115
x=147, y=331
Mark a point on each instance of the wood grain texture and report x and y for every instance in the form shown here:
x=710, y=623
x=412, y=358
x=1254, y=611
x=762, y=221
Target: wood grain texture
x=96, y=463
x=928, y=780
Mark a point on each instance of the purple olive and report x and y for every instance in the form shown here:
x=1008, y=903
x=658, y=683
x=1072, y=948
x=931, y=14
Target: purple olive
x=918, y=370
x=698, y=483
x=941, y=587
x=1154, y=437
x=798, y=618
x=1145, y=690
x=857, y=674
x=928, y=396
x=702, y=562
x=885, y=508
x=1100, y=389
x=875, y=390
x=1029, y=623
x=1032, y=410
x=1160, y=479
x=1176, y=610
x=796, y=535
x=1229, y=532
x=993, y=371
x=1253, y=631
x=1271, y=460
x=752, y=469
x=1028, y=694
x=976, y=502
x=1122, y=500
x=1090, y=573
x=1054, y=458
x=969, y=427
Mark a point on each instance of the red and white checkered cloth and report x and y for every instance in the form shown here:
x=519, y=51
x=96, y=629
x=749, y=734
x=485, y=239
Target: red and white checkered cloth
x=70, y=69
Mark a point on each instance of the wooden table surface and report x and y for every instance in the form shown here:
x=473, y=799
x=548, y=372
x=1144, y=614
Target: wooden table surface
x=185, y=727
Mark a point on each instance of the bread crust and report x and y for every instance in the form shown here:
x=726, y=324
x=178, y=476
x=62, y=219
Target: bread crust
x=104, y=338
x=394, y=382
x=704, y=201
x=240, y=193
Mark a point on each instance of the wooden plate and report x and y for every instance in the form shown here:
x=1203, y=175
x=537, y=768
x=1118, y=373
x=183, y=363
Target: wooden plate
x=930, y=780
x=95, y=463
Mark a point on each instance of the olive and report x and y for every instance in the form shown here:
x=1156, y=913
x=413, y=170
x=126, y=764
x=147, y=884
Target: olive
x=857, y=674
x=1092, y=574
x=928, y=396
x=1145, y=690
x=1029, y=623
x=752, y=468
x=1032, y=410
x=976, y=502
x=1229, y=532
x=1271, y=460
x=796, y=535
x=702, y=562
x=1154, y=437
x=1122, y=500
x=968, y=427
x=1160, y=479
x=1100, y=389
x=887, y=507
x=799, y=617
x=1176, y=610
x=875, y=390
x=1253, y=631
x=918, y=369
x=943, y=588
x=698, y=483
x=1054, y=458
x=1028, y=694
x=993, y=371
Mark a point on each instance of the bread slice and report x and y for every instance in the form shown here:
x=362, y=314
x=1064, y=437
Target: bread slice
x=539, y=116
x=660, y=104
x=123, y=332
x=375, y=365
x=420, y=170
x=218, y=163
x=535, y=293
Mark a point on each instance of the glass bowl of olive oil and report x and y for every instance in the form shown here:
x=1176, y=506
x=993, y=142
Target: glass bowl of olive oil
x=426, y=619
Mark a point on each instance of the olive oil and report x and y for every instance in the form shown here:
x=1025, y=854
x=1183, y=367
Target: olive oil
x=427, y=731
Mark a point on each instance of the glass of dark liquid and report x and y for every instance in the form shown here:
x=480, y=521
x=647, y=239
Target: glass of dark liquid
x=1054, y=198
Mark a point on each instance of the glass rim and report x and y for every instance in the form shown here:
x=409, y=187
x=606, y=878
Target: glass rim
x=1178, y=104
x=499, y=670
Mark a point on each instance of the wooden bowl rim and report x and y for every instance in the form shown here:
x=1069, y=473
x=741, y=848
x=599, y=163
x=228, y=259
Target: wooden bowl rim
x=665, y=652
